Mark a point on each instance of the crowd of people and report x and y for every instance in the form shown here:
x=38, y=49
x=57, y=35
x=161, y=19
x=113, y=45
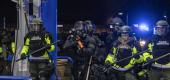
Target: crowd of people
x=120, y=56
x=117, y=57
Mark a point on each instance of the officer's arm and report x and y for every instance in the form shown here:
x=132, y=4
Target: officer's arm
x=13, y=47
x=113, y=51
x=148, y=55
x=25, y=47
x=1, y=49
x=48, y=42
x=99, y=42
x=135, y=49
x=111, y=56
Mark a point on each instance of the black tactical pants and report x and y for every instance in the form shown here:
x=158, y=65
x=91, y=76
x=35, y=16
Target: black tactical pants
x=5, y=67
x=41, y=70
x=80, y=68
x=157, y=74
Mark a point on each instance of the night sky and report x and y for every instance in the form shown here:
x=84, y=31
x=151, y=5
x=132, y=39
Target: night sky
x=98, y=11
x=8, y=10
x=147, y=11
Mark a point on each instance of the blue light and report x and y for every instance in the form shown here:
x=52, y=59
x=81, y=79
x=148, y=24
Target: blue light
x=143, y=27
x=136, y=25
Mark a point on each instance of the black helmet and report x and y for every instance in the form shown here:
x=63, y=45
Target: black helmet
x=125, y=32
x=89, y=26
x=162, y=23
x=115, y=23
x=79, y=25
x=161, y=27
x=36, y=24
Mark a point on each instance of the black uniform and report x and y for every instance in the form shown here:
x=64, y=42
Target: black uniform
x=41, y=66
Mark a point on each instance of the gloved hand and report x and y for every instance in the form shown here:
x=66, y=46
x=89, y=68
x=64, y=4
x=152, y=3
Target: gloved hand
x=23, y=56
x=136, y=56
x=149, y=60
x=48, y=46
x=107, y=67
x=148, y=63
x=107, y=64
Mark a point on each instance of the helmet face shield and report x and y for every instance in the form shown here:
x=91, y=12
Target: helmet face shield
x=35, y=27
x=79, y=25
x=125, y=35
x=89, y=26
x=160, y=30
x=118, y=26
x=161, y=27
x=125, y=32
x=89, y=29
x=115, y=27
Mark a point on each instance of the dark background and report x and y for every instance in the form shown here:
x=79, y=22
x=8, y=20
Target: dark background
x=147, y=11
x=98, y=11
x=8, y=10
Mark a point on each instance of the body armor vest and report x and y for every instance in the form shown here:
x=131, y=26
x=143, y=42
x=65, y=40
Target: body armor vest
x=124, y=50
x=36, y=42
x=161, y=47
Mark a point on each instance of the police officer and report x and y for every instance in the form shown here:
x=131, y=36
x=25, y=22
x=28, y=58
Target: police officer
x=93, y=47
x=7, y=49
x=160, y=45
x=2, y=55
x=40, y=66
x=77, y=31
x=93, y=41
x=114, y=25
x=124, y=47
x=75, y=44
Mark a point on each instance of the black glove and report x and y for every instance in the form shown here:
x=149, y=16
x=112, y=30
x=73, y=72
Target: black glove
x=107, y=67
x=48, y=46
x=148, y=63
x=136, y=56
x=108, y=64
x=23, y=56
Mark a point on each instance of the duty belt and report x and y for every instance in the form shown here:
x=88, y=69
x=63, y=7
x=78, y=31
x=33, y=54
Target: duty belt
x=119, y=69
x=38, y=59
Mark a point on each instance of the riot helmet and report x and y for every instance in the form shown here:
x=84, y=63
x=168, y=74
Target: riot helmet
x=79, y=25
x=36, y=24
x=115, y=23
x=161, y=27
x=89, y=26
x=125, y=31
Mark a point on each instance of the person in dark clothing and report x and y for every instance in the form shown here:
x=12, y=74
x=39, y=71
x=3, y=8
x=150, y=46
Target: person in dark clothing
x=123, y=47
x=159, y=45
x=7, y=50
x=41, y=65
x=84, y=42
x=114, y=25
